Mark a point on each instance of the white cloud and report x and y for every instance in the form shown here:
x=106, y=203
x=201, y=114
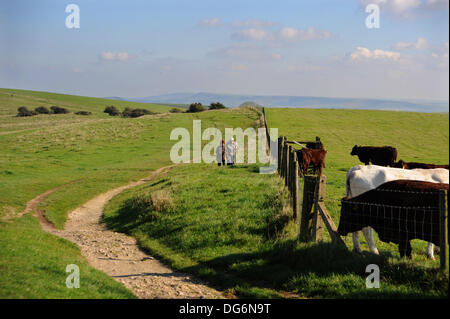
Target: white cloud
x=210, y=22
x=111, y=56
x=419, y=44
x=362, y=53
x=441, y=56
x=292, y=34
x=251, y=34
x=276, y=56
x=252, y=23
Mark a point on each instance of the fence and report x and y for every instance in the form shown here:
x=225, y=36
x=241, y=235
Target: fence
x=313, y=216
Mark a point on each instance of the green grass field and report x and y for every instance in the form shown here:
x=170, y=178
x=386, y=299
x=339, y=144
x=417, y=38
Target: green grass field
x=227, y=225
x=418, y=137
x=196, y=235
x=91, y=154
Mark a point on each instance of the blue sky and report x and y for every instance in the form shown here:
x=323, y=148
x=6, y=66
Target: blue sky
x=313, y=47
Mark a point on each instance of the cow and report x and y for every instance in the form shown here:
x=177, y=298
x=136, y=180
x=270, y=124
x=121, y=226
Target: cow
x=307, y=156
x=414, y=165
x=399, y=211
x=361, y=179
x=382, y=156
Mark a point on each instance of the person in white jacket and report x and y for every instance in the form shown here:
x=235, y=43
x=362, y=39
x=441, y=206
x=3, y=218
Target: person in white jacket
x=220, y=154
x=231, y=149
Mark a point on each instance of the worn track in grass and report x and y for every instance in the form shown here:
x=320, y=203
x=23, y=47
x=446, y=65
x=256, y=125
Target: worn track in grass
x=119, y=255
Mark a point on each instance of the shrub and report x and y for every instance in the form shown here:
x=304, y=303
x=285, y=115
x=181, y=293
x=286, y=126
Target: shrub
x=195, y=107
x=111, y=110
x=216, y=106
x=150, y=208
x=59, y=110
x=128, y=112
x=42, y=110
x=176, y=110
x=162, y=201
x=83, y=113
x=24, y=111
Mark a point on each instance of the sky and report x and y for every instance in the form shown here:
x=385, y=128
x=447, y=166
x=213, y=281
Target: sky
x=136, y=48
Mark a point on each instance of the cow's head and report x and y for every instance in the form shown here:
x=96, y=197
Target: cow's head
x=351, y=219
x=399, y=164
x=354, y=150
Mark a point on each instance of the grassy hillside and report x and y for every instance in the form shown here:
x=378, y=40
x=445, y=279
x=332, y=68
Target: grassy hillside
x=227, y=225
x=233, y=227
x=207, y=229
x=88, y=154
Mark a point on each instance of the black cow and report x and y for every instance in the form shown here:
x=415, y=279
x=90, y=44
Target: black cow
x=399, y=211
x=382, y=156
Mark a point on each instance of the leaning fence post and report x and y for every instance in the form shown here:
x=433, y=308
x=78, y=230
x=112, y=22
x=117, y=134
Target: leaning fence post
x=443, y=222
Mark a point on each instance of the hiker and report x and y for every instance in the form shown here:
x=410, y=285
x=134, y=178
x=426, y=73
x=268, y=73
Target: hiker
x=220, y=154
x=231, y=149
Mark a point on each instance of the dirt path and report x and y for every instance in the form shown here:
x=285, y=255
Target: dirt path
x=118, y=255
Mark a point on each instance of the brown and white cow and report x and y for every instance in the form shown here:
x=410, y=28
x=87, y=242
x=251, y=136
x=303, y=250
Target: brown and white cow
x=399, y=211
x=363, y=178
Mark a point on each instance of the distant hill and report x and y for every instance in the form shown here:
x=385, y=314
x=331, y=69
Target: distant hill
x=231, y=100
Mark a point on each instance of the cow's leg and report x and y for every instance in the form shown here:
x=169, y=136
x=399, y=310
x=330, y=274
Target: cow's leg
x=356, y=243
x=368, y=234
x=405, y=249
x=430, y=251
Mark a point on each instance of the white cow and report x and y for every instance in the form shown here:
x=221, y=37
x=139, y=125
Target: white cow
x=363, y=178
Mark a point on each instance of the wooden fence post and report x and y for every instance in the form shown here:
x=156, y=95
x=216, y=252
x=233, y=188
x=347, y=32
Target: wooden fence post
x=306, y=219
x=443, y=221
x=317, y=222
x=295, y=187
x=291, y=160
x=318, y=143
x=280, y=139
x=283, y=157
x=286, y=164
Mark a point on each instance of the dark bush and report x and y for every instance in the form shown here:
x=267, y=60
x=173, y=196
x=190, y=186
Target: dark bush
x=83, y=113
x=195, y=107
x=42, y=110
x=111, y=110
x=216, y=106
x=128, y=112
x=24, y=111
x=176, y=110
x=59, y=110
